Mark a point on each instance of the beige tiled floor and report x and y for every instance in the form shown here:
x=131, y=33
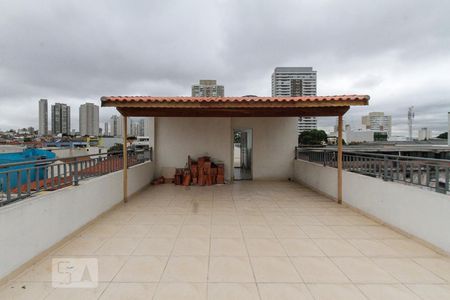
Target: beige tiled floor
x=250, y=240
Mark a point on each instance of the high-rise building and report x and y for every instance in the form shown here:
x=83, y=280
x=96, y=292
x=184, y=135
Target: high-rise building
x=60, y=118
x=89, y=121
x=295, y=82
x=208, y=88
x=43, y=117
x=115, y=126
x=106, y=130
x=424, y=134
x=378, y=121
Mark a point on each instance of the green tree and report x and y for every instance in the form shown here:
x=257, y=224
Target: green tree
x=116, y=148
x=443, y=135
x=312, y=137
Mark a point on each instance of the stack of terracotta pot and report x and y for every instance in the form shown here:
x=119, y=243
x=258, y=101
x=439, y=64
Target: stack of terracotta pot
x=200, y=172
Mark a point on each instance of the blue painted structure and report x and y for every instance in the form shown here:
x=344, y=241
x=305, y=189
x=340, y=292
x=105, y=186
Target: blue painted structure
x=27, y=155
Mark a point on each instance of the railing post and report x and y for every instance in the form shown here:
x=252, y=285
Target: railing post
x=385, y=171
x=8, y=187
x=296, y=152
x=75, y=172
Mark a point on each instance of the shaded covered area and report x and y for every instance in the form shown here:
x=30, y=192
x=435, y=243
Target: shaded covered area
x=240, y=109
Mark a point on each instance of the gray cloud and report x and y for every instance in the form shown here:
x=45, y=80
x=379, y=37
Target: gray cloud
x=76, y=51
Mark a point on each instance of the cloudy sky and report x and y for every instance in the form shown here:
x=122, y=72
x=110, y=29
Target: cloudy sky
x=74, y=51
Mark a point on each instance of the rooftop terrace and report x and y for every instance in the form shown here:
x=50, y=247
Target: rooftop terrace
x=249, y=240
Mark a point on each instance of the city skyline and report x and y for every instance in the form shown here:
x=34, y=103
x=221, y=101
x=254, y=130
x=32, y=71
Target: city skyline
x=390, y=66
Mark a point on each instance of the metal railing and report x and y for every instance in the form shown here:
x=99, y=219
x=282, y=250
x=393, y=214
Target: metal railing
x=425, y=172
x=23, y=179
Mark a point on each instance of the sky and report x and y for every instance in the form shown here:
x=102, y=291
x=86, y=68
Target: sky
x=75, y=51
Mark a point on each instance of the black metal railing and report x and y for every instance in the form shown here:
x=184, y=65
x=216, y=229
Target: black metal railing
x=23, y=179
x=426, y=172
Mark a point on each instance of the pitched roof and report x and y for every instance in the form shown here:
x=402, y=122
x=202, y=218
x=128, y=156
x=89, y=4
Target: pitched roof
x=347, y=99
x=234, y=106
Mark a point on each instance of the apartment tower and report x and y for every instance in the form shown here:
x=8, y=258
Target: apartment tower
x=60, y=118
x=43, y=117
x=89, y=119
x=295, y=82
x=378, y=121
x=208, y=88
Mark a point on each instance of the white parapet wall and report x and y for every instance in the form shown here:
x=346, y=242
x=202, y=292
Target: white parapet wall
x=33, y=225
x=419, y=212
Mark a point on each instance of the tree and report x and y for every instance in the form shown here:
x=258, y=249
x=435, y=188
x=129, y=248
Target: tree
x=116, y=148
x=443, y=136
x=312, y=137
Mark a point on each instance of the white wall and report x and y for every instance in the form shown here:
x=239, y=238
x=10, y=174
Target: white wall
x=33, y=225
x=419, y=212
x=274, y=140
x=176, y=138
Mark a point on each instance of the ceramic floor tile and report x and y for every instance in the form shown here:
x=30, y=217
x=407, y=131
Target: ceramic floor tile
x=257, y=231
x=164, y=231
x=319, y=270
x=407, y=271
x=274, y=269
x=336, y=292
x=319, y=232
x=81, y=246
x=350, y=232
x=363, y=270
x=387, y=291
x=284, y=291
x=181, y=291
x=264, y=247
x=76, y=293
x=195, y=231
x=142, y=269
x=337, y=247
x=191, y=247
x=154, y=246
x=226, y=231
x=439, y=266
x=228, y=247
x=25, y=290
x=133, y=231
x=374, y=248
x=118, y=246
x=235, y=291
x=410, y=248
x=186, y=269
x=301, y=247
x=129, y=291
x=230, y=269
x=288, y=231
x=432, y=291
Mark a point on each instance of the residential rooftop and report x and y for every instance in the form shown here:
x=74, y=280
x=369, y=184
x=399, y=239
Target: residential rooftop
x=248, y=240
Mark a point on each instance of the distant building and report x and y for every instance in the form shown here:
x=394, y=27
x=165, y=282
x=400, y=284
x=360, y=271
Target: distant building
x=106, y=130
x=89, y=119
x=43, y=117
x=208, y=88
x=295, y=82
x=60, y=118
x=115, y=126
x=378, y=122
x=424, y=134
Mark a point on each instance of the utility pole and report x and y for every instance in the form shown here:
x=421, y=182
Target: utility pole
x=410, y=121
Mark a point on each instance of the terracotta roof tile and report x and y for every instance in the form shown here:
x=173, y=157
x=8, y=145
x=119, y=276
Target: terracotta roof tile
x=151, y=99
